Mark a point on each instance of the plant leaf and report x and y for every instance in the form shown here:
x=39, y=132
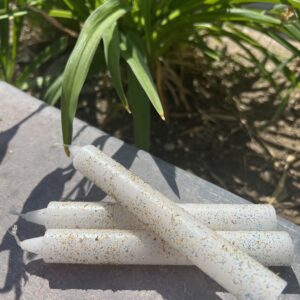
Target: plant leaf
x=292, y=31
x=284, y=42
x=135, y=60
x=61, y=13
x=79, y=8
x=53, y=92
x=13, y=14
x=173, y=27
x=294, y=3
x=81, y=57
x=140, y=112
x=111, y=43
x=145, y=7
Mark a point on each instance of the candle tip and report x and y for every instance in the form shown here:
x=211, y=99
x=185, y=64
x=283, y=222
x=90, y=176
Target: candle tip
x=34, y=245
x=36, y=216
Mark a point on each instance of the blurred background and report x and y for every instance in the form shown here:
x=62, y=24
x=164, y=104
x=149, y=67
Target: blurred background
x=223, y=74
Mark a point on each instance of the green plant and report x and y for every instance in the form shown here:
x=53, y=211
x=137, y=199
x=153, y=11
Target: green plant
x=138, y=37
x=12, y=15
x=143, y=32
x=9, y=38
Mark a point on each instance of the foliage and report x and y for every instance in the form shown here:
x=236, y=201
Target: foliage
x=12, y=14
x=142, y=34
x=9, y=38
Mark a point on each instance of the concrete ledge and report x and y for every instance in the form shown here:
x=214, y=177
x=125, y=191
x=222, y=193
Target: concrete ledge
x=33, y=172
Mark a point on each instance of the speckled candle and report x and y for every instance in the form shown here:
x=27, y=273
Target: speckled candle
x=73, y=214
x=95, y=246
x=234, y=270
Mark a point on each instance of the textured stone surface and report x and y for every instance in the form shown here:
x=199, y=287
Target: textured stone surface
x=34, y=172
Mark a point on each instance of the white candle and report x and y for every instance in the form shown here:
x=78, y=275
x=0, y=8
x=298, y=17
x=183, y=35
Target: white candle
x=94, y=246
x=73, y=214
x=234, y=270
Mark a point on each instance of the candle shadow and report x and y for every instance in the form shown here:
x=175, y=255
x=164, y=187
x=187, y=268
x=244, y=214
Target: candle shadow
x=126, y=155
x=50, y=188
x=7, y=135
x=168, y=171
x=171, y=282
x=289, y=276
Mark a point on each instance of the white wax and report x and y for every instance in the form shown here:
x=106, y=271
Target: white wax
x=94, y=246
x=73, y=214
x=234, y=270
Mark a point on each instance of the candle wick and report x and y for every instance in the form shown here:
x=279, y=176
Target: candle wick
x=13, y=232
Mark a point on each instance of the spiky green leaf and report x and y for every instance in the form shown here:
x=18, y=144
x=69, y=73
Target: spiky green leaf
x=111, y=44
x=135, y=60
x=81, y=57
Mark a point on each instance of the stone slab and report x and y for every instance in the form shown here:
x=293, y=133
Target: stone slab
x=33, y=172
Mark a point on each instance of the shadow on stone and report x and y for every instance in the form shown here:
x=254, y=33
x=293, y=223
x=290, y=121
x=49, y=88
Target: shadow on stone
x=50, y=188
x=289, y=276
x=168, y=172
x=7, y=135
x=170, y=282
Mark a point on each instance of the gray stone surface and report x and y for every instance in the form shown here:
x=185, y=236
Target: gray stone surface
x=33, y=172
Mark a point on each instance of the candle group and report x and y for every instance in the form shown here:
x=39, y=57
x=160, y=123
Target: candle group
x=162, y=232
x=233, y=269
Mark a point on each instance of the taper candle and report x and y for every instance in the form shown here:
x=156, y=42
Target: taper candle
x=106, y=246
x=107, y=215
x=234, y=270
